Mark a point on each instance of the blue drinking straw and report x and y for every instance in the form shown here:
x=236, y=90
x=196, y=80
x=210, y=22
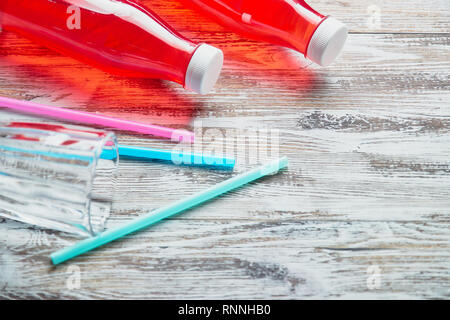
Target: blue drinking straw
x=157, y=215
x=176, y=157
x=179, y=158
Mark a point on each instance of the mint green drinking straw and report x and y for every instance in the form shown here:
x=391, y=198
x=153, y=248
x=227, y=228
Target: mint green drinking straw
x=157, y=215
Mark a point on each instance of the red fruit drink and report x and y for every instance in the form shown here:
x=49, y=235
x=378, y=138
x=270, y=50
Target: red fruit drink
x=120, y=37
x=289, y=23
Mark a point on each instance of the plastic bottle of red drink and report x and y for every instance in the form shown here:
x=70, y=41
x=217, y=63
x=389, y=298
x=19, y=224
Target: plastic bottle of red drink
x=289, y=23
x=118, y=36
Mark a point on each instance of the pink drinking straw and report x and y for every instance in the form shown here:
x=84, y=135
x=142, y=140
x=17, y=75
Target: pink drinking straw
x=91, y=118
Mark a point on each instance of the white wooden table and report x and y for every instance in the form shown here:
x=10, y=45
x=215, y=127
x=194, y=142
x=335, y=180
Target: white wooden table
x=362, y=212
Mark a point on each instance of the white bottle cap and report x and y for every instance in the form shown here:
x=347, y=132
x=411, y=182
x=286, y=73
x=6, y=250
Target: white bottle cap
x=204, y=69
x=327, y=41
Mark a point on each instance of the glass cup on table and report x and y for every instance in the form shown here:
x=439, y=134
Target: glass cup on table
x=57, y=176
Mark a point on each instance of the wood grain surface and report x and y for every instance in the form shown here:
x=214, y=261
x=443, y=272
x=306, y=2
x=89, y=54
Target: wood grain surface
x=362, y=211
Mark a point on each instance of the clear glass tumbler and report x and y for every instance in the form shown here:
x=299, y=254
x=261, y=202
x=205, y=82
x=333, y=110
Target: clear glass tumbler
x=58, y=177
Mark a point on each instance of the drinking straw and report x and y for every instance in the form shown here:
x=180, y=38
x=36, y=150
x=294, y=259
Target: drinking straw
x=157, y=215
x=143, y=153
x=176, y=157
x=91, y=118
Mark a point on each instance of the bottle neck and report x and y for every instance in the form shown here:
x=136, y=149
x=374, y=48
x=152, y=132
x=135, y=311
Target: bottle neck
x=290, y=23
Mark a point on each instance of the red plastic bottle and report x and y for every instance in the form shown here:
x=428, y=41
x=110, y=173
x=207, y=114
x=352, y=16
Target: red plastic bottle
x=118, y=36
x=289, y=23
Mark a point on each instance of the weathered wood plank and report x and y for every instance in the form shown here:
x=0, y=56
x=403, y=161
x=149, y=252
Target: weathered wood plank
x=405, y=70
x=256, y=259
x=361, y=16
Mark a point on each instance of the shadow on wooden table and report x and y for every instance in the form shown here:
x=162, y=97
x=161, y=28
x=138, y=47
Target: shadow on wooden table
x=69, y=83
